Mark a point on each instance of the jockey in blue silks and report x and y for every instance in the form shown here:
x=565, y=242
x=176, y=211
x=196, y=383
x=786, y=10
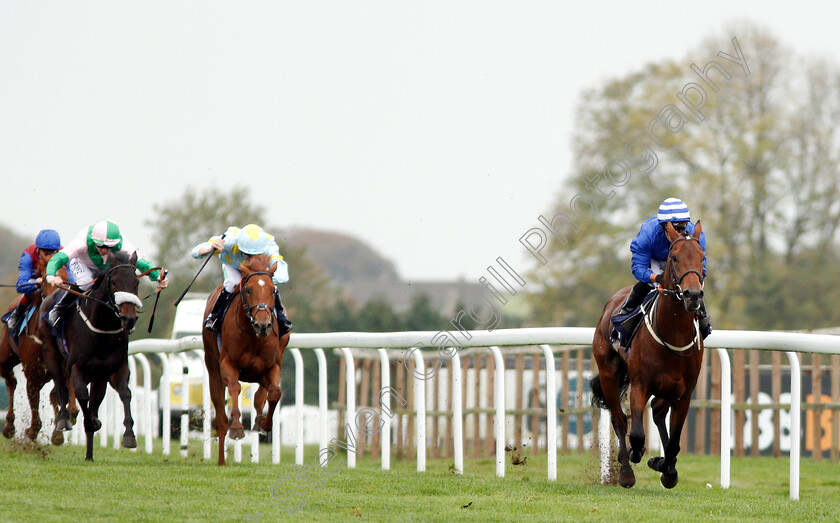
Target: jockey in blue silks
x=650, y=255
x=46, y=243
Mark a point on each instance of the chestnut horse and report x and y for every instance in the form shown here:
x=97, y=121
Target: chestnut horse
x=27, y=351
x=663, y=360
x=251, y=350
x=96, y=330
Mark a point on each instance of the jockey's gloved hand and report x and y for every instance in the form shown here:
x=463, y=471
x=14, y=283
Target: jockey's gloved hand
x=655, y=278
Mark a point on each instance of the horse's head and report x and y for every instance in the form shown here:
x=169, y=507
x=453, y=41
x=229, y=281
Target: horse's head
x=257, y=292
x=120, y=283
x=684, y=271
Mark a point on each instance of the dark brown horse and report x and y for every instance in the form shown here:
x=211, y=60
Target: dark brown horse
x=663, y=360
x=96, y=331
x=27, y=351
x=251, y=350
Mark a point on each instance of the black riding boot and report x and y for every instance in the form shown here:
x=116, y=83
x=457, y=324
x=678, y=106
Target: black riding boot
x=282, y=319
x=61, y=305
x=13, y=321
x=222, y=302
x=704, y=321
x=634, y=299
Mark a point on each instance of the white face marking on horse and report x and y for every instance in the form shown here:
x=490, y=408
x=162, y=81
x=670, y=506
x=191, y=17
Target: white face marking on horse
x=261, y=283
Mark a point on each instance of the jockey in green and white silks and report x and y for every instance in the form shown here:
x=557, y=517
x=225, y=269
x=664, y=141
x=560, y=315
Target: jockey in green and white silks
x=88, y=253
x=234, y=247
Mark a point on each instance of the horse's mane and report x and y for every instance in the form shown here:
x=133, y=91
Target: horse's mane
x=114, y=259
x=257, y=262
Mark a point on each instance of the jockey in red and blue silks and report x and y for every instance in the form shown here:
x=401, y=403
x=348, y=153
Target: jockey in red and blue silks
x=650, y=255
x=47, y=242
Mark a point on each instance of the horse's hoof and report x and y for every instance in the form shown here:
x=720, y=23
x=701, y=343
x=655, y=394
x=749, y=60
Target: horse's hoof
x=636, y=456
x=73, y=416
x=669, y=480
x=89, y=458
x=626, y=478
x=236, y=433
x=64, y=424
x=96, y=424
x=9, y=430
x=31, y=433
x=129, y=442
x=258, y=424
x=57, y=438
x=656, y=463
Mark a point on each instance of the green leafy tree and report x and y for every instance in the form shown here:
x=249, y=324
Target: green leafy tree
x=759, y=170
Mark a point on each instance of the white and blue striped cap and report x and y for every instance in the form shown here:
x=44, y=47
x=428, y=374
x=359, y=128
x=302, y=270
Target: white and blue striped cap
x=673, y=210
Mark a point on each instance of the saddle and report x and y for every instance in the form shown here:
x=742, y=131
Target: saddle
x=627, y=325
x=30, y=310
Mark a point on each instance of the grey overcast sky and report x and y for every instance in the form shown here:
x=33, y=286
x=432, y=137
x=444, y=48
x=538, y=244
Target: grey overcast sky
x=436, y=131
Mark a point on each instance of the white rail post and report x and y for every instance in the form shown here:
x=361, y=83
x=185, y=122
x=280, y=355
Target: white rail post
x=148, y=434
x=165, y=404
x=322, y=403
x=725, y=417
x=298, y=406
x=104, y=412
x=205, y=407
x=254, y=435
x=499, y=402
x=237, y=444
x=795, y=413
x=385, y=437
x=420, y=405
x=550, y=412
x=132, y=387
x=185, y=404
x=350, y=412
x=457, y=412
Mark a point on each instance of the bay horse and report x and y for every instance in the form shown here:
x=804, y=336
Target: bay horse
x=27, y=352
x=251, y=350
x=96, y=333
x=663, y=360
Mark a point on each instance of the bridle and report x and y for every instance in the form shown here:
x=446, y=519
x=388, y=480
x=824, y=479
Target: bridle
x=260, y=307
x=678, y=292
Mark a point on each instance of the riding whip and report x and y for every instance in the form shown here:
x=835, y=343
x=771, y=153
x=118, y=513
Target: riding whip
x=154, y=308
x=210, y=255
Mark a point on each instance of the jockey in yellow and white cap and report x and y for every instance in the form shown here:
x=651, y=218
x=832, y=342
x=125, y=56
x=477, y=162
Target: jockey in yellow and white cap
x=234, y=247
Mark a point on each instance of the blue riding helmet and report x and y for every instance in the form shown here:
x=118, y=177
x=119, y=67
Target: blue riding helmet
x=48, y=239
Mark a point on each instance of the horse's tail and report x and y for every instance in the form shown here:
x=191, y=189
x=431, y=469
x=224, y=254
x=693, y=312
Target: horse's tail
x=598, y=399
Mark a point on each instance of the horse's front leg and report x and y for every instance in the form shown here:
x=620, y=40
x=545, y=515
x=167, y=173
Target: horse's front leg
x=34, y=382
x=97, y=394
x=259, y=403
x=119, y=381
x=11, y=385
x=272, y=384
x=55, y=367
x=668, y=465
x=638, y=400
x=659, y=408
x=230, y=377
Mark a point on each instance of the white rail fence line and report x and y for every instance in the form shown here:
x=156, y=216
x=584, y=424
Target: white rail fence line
x=542, y=337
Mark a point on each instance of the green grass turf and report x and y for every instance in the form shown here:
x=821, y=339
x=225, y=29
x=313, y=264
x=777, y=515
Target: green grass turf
x=56, y=484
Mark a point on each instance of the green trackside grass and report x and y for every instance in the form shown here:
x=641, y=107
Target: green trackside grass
x=56, y=484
